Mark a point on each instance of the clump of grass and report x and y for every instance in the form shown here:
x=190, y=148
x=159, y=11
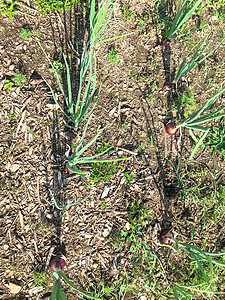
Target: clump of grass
x=102, y=172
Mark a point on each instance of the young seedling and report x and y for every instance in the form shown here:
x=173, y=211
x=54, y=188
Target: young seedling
x=25, y=34
x=196, y=59
x=19, y=79
x=75, y=158
x=64, y=206
x=112, y=56
x=192, y=122
x=182, y=15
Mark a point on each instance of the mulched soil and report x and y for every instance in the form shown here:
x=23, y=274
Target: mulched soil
x=134, y=106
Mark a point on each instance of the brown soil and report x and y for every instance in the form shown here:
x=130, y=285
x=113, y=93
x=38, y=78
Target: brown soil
x=132, y=102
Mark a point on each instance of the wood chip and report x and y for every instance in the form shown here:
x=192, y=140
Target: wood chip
x=14, y=167
x=14, y=288
x=20, y=123
x=21, y=219
x=106, y=232
x=105, y=191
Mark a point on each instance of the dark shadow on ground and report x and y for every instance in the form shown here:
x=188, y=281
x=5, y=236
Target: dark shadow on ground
x=70, y=31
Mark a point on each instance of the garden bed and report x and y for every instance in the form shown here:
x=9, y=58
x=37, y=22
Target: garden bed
x=111, y=240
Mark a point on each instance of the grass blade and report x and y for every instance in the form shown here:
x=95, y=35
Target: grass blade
x=198, y=145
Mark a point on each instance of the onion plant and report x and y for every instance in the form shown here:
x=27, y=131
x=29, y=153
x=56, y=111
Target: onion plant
x=56, y=266
x=64, y=206
x=192, y=122
x=194, y=61
x=98, y=21
x=183, y=14
x=75, y=158
x=200, y=258
x=78, y=110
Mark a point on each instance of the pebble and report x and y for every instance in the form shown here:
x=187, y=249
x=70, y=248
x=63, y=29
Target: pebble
x=5, y=247
x=127, y=226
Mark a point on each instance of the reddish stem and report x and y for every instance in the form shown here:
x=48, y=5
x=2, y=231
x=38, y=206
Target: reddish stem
x=168, y=86
x=165, y=44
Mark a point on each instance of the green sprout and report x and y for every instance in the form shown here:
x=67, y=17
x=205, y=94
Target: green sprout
x=19, y=79
x=113, y=56
x=25, y=34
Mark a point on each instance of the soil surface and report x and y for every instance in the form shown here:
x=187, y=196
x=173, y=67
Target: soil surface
x=165, y=191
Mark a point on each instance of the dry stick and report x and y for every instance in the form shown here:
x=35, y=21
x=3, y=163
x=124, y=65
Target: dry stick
x=49, y=257
x=20, y=123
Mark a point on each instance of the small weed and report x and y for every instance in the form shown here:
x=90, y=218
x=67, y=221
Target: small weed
x=41, y=279
x=129, y=177
x=58, y=67
x=56, y=5
x=8, y=85
x=103, y=204
x=210, y=81
x=186, y=103
x=116, y=291
x=127, y=14
x=220, y=14
x=113, y=56
x=32, y=132
x=11, y=129
x=25, y=34
x=37, y=32
x=19, y=79
x=216, y=139
x=143, y=145
x=102, y=172
x=122, y=126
